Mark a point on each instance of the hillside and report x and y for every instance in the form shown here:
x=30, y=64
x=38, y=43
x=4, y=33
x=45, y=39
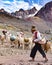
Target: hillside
x=24, y=24
x=46, y=13
x=16, y=22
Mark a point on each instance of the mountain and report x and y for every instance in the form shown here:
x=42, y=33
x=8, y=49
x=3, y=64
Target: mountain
x=19, y=14
x=23, y=23
x=23, y=13
x=5, y=13
x=6, y=22
x=46, y=12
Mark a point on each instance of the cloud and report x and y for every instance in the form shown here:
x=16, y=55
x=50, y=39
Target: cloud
x=16, y=5
x=22, y=4
x=8, y=2
x=13, y=6
x=37, y=6
x=45, y=1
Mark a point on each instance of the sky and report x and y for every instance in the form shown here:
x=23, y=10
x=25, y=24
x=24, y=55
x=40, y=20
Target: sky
x=15, y=5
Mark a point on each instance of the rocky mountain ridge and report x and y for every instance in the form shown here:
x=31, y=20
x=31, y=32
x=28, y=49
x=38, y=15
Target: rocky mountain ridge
x=46, y=12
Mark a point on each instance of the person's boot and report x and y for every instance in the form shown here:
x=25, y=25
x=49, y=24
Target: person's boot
x=45, y=59
x=31, y=59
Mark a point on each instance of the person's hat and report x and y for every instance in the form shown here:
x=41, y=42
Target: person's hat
x=33, y=28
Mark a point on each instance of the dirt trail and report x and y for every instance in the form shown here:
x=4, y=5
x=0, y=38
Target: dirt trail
x=21, y=57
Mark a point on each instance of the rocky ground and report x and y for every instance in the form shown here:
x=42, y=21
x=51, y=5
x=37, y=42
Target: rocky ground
x=15, y=56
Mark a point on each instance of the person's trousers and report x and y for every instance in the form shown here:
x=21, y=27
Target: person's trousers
x=34, y=50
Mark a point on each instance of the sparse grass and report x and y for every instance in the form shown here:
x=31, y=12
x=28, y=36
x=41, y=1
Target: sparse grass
x=2, y=27
x=22, y=25
x=51, y=38
x=38, y=19
x=8, y=27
